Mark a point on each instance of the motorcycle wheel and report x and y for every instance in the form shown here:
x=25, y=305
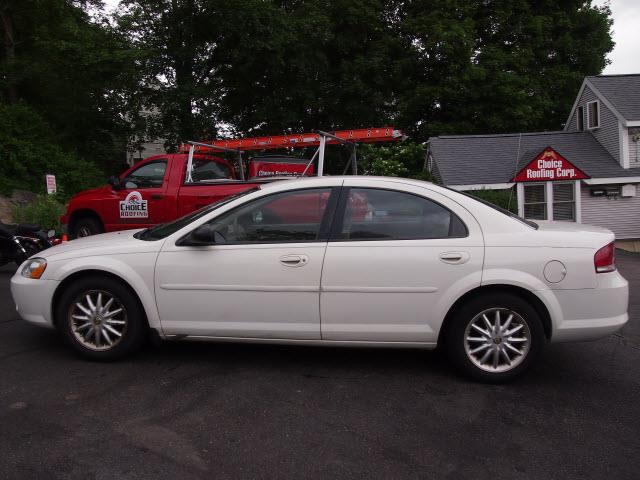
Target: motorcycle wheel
x=31, y=247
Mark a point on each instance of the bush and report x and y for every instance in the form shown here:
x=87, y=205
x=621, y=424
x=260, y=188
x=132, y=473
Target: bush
x=502, y=198
x=404, y=159
x=45, y=211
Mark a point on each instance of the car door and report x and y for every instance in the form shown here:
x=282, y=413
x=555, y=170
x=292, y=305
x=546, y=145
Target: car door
x=141, y=200
x=397, y=258
x=261, y=277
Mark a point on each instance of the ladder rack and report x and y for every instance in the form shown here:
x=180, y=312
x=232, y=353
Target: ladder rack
x=303, y=140
x=318, y=139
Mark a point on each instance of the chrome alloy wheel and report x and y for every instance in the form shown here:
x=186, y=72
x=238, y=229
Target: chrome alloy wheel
x=497, y=340
x=98, y=320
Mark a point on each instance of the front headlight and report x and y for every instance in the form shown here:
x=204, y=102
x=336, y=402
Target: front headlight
x=34, y=268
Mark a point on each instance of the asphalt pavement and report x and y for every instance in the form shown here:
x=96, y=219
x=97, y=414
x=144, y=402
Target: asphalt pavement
x=203, y=410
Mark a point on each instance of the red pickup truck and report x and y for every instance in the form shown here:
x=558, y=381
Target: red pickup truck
x=159, y=189
x=165, y=187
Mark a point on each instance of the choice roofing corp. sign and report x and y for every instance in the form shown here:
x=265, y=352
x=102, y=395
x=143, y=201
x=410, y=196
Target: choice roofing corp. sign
x=547, y=166
x=134, y=206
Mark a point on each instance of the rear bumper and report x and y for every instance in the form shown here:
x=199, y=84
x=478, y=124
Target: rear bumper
x=33, y=299
x=590, y=314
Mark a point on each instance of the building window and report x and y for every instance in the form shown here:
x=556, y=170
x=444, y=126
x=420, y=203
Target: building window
x=564, y=202
x=593, y=114
x=535, y=201
x=580, y=118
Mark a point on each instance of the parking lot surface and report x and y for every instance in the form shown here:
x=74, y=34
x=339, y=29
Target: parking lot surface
x=203, y=410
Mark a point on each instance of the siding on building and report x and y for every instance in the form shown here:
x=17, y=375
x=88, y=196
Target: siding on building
x=621, y=215
x=608, y=134
x=634, y=149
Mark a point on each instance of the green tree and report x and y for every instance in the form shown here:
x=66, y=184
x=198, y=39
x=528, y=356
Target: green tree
x=427, y=66
x=495, y=66
x=29, y=151
x=177, y=41
x=313, y=64
x=75, y=71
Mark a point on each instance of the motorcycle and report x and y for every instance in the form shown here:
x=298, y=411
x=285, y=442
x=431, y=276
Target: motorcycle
x=19, y=242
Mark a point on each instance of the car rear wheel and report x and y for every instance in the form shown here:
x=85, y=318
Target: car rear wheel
x=101, y=319
x=86, y=226
x=495, y=338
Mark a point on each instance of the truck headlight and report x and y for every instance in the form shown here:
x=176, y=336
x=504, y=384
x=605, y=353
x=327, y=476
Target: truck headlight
x=34, y=268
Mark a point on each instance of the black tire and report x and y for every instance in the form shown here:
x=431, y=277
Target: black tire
x=86, y=226
x=134, y=332
x=457, y=346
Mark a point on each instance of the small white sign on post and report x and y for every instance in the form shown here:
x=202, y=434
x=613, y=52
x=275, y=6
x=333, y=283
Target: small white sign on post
x=51, y=184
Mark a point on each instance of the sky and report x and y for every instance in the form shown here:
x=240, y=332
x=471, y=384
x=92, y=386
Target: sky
x=625, y=57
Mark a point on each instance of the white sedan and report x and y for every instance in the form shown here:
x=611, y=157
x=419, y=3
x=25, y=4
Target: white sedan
x=336, y=261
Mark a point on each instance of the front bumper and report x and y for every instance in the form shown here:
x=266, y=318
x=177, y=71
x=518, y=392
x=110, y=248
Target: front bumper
x=33, y=299
x=590, y=314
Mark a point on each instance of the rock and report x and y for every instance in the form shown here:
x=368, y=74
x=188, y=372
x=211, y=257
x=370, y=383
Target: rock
x=6, y=210
x=22, y=197
x=18, y=198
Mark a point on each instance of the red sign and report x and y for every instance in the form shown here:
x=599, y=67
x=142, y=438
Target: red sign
x=279, y=168
x=51, y=184
x=549, y=165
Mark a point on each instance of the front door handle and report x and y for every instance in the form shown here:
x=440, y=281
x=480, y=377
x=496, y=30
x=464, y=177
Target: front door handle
x=454, y=258
x=156, y=196
x=294, y=260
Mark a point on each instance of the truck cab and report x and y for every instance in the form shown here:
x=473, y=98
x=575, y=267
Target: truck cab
x=152, y=191
x=160, y=189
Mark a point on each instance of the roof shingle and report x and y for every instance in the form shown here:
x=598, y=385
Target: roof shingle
x=623, y=91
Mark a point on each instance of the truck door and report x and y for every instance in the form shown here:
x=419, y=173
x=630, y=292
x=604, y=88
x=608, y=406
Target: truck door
x=142, y=201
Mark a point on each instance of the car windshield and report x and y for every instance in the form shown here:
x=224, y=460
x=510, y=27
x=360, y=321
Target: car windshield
x=165, y=229
x=499, y=209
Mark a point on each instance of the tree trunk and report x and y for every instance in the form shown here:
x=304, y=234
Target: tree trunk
x=9, y=50
x=184, y=12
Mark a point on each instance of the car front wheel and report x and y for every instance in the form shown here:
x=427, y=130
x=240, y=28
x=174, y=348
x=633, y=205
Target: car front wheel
x=495, y=338
x=100, y=318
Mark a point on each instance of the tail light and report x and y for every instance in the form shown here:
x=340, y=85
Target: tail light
x=605, y=259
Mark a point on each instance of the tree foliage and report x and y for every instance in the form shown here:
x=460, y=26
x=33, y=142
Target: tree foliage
x=190, y=69
x=69, y=75
x=428, y=66
x=29, y=150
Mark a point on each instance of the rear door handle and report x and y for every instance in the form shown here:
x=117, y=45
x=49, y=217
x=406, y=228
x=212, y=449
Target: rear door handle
x=454, y=257
x=294, y=260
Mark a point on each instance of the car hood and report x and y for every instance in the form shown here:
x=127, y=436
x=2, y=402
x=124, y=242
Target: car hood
x=104, y=244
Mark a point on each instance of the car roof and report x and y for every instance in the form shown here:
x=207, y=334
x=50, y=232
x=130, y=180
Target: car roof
x=292, y=183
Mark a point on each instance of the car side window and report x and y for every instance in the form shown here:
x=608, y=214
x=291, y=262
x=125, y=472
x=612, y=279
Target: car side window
x=375, y=214
x=294, y=216
x=147, y=176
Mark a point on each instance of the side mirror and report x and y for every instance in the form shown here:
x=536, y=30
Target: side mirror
x=205, y=234
x=114, y=181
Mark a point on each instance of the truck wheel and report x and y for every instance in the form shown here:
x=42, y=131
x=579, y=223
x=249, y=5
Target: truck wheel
x=101, y=319
x=86, y=226
x=495, y=338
